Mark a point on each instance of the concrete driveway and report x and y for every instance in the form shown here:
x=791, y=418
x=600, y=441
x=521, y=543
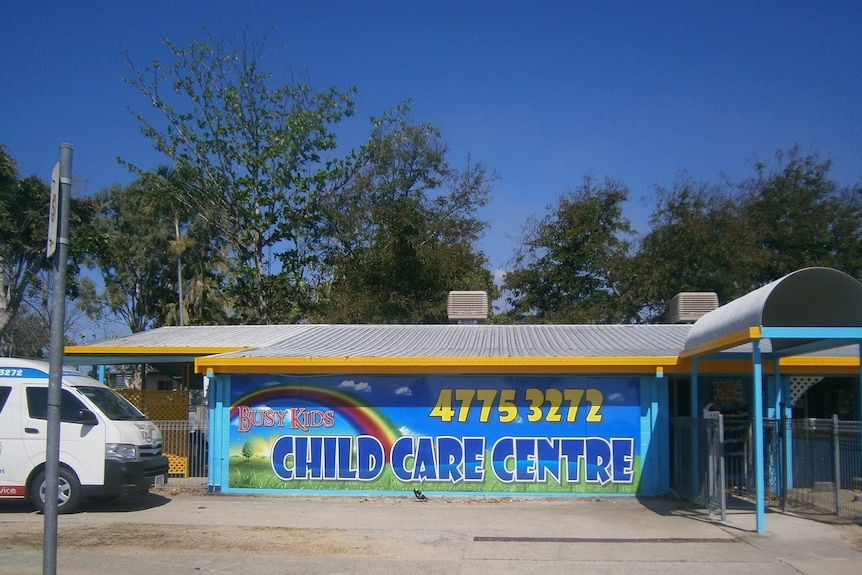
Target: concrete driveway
x=178, y=532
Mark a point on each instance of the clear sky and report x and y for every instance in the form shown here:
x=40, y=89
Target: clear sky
x=542, y=92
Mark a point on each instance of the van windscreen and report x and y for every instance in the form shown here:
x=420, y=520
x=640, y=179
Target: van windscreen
x=113, y=405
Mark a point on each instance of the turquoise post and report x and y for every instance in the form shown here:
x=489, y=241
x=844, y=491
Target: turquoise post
x=760, y=496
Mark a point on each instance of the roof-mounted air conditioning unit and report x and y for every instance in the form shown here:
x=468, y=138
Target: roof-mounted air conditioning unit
x=688, y=307
x=467, y=306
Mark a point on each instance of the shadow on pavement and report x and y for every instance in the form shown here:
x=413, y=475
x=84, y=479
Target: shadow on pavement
x=125, y=504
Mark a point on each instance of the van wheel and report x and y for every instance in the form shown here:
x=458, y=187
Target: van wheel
x=68, y=492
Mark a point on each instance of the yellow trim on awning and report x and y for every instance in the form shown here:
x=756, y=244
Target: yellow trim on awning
x=724, y=342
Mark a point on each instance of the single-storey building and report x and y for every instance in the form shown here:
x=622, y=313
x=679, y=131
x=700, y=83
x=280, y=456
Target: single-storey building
x=504, y=409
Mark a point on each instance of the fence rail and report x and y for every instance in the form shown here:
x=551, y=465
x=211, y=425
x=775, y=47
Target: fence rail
x=811, y=462
x=185, y=444
x=826, y=456
x=698, y=472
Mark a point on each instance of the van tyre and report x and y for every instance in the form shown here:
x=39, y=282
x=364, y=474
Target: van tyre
x=69, y=492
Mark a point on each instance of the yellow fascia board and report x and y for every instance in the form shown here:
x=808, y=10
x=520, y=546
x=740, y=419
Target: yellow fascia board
x=724, y=342
x=141, y=350
x=819, y=361
x=433, y=365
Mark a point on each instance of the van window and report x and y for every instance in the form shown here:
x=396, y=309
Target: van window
x=37, y=405
x=111, y=403
x=4, y=395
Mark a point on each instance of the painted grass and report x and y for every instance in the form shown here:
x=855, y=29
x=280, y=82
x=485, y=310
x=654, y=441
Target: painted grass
x=256, y=473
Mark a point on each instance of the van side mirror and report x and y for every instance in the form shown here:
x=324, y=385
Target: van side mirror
x=87, y=417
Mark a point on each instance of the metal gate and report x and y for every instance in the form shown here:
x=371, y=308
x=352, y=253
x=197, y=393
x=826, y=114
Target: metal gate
x=816, y=463
x=698, y=472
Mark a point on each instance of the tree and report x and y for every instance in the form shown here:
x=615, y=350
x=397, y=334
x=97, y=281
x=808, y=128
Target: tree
x=733, y=238
x=802, y=218
x=24, y=269
x=698, y=241
x=23, y=236
x=247, y=450
x=134, y=256
x=255, y=150
x=400, y=228
x=570, y=262
x=197, y=249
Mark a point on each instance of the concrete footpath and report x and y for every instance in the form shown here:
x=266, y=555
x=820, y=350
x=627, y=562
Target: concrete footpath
x=180, y=532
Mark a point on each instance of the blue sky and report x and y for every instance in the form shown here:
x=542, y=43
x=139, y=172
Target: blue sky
x=542, y=92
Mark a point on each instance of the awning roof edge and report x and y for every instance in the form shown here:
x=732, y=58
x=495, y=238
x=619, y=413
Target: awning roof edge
x=806, y=300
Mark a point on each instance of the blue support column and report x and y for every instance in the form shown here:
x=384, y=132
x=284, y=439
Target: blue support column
x=773, y=396
x=219, y=423
x=859, y=389
x=757, y=379
x=785, y=415
x=694, y=401
x=694, y=388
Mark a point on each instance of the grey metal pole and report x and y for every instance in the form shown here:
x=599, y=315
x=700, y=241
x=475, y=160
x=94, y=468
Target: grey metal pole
x=722, y=474
x=836, y=463
x=55, y=377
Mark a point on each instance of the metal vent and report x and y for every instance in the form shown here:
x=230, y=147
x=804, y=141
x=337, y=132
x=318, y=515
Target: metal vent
x=467, y=306
x=688, y=307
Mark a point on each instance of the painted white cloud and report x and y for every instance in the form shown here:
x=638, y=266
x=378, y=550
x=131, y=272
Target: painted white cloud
x=404, y=391
x=405, y=430
x=360, y=386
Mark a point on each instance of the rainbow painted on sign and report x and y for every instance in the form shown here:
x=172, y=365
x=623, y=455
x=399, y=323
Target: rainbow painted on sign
x=361, y=415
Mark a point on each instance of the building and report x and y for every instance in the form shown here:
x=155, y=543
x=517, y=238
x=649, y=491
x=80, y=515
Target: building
x=494, y=409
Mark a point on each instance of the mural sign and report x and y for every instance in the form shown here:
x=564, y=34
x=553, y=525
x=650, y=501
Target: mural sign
x=490, y=434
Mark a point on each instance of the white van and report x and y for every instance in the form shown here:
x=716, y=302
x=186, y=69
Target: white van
x=107, y=446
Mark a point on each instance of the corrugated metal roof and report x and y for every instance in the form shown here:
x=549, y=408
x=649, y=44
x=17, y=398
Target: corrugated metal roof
x=210, y=336
x=320, y=348
x=404, y=341
x=326, y=340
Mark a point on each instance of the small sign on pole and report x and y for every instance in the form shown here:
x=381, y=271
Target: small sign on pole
x=54, y=211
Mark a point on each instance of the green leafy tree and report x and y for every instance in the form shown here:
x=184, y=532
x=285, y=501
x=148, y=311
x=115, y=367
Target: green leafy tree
x=733, y=238
x=247, y=450
x=23, y=228
x=802, y=218
x=197, y=249
x=25, y=278
x=29, y=335
x=255, y=149
x=698, y=241
x=570, y=262
x=401, y=228
x=133, y=258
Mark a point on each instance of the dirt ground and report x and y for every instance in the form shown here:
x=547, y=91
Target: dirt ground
x=240, y=540
x=142, y=538
x=245, y=540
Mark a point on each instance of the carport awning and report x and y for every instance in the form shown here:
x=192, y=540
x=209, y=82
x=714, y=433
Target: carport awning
x=811, y=309
x=808, y=310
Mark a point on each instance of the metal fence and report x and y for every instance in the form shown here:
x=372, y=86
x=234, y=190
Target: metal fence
x=698, y=472
x=812, y=462
x=185, y=444
x=825, y=457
